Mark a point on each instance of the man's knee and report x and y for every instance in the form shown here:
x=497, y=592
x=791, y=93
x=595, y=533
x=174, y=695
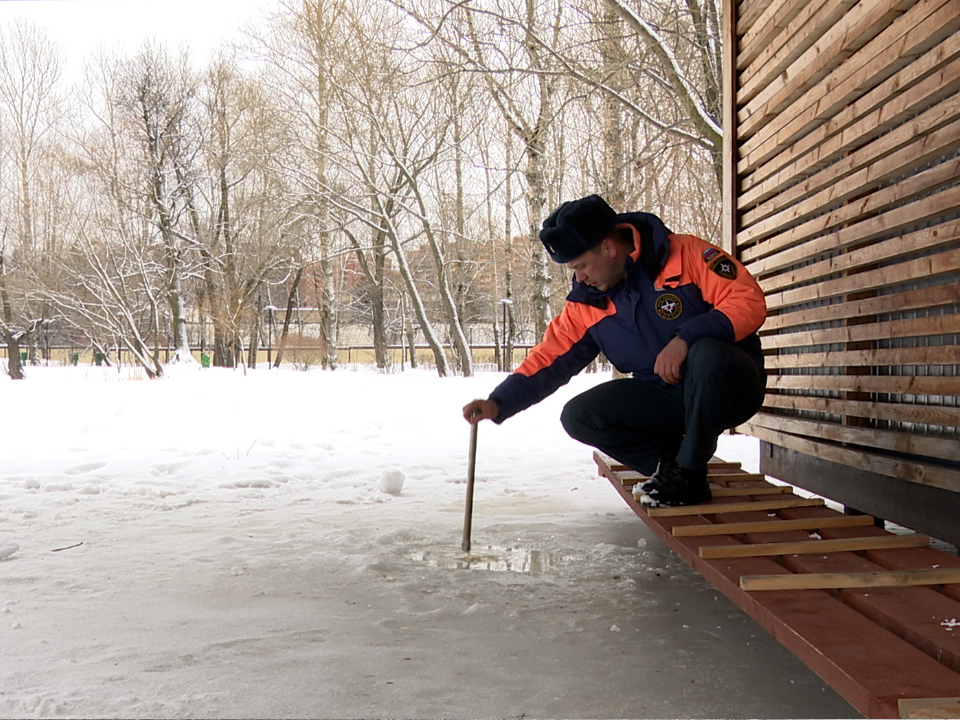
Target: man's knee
x=571, y=417
x=708, y=356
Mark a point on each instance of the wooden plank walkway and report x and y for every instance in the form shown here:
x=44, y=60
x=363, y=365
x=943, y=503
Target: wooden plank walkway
x=873, y=613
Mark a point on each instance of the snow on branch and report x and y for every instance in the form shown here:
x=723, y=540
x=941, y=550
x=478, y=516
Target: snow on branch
x=687, y=95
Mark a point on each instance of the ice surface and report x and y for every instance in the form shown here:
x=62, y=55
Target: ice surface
x=217, y=544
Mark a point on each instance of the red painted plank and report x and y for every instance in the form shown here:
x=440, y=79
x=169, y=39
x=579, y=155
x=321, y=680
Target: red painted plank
x=832, y=637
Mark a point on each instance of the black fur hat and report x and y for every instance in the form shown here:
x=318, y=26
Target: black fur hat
x=576, y=226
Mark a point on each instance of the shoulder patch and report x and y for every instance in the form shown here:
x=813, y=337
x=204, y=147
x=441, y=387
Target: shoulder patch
x=724, y=267
x=709, y=254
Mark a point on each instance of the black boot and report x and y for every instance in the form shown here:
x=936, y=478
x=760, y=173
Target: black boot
x=668, y=461
x=679, y=487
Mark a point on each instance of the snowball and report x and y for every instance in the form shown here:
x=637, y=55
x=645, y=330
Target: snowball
x=7, y=549
x=391, y=482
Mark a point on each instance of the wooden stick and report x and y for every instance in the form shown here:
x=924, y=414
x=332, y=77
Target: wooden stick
x=720, y=508
x=807, y=547
x=765, y=526
x=836, y=581
x=471, y=468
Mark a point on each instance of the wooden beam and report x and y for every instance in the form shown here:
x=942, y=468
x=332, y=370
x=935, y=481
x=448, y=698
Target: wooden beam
x=750, y=491
x=795, y=101
x=713, y=465
x=729, y=214
x=838, y=581
x=807, y=547
x=734, y=507
x=921, y=84
x=903, y=469
x=894, y=249
x=913, y=188
x=913, y=327
x=947, y=293
x=894, y=411
x=865, y=169
x=909, y=384
x=923, y=708
x=868, y=438
x=766, y=526
x=822, y=235
x=738, y=477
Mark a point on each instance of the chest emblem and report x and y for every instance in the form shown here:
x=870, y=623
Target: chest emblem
x=668, y=306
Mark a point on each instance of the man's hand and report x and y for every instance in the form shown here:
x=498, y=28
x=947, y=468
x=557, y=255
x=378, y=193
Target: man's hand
x=668, y=362
x=474, y=412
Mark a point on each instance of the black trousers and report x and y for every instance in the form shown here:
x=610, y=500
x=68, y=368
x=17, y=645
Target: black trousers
x=634, y=421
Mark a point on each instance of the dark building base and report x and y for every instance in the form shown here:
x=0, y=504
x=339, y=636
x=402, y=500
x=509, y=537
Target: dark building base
x=928, y=510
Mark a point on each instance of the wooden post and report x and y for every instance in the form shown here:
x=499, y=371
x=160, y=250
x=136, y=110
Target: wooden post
x=729, y=220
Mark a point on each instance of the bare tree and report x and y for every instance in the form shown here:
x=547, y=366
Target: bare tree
x=304, y=48
x=159, y=98
x=241, y=245
x=31, y=111
x=511, y=45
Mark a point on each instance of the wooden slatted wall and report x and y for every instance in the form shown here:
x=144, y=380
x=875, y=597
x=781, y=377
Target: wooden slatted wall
x=843, y=192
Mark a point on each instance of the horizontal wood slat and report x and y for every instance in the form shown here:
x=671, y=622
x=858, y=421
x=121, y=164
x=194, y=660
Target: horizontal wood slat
x=871, y=43
x=942, y=355
x=846, y=165
x=800, y=547
x=886, y=384
x=930, y=266
x=748, y=491
x=915, y=327
x=861, y=24
x=912, y=145
x=922, y=473
x=769, y=49
x=925, y=82
x=837, y=581
x=906, y=202
x=936, y=296
x=899, y=412
x=886, y=252
x=910, y=443
x=769, y=526
x=925, y=708
x=735, y=507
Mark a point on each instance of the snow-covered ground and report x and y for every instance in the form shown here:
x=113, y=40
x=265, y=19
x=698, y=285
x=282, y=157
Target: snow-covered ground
x=229, y=544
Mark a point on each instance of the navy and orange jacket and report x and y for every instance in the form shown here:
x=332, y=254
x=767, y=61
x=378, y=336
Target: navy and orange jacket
x=675, y=285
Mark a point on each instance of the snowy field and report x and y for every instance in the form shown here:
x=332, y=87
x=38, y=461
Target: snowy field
x=227, y=544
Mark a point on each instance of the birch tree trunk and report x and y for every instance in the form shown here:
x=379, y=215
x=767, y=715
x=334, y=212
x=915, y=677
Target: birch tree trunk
x=161, y=96
x=288, y=315
x=419, y=310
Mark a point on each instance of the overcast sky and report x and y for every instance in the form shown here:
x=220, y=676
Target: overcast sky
x=79, y=27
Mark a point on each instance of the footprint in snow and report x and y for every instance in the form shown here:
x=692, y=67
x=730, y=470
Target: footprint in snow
x=84, y=468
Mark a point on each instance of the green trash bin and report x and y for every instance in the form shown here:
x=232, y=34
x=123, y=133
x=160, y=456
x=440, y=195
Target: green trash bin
x=98, y=359
x=23, y=358
x=74, y=359
x=204, y=360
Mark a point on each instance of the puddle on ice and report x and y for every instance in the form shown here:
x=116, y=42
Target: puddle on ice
x=494, y=558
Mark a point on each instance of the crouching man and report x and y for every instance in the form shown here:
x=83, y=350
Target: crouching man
x=674, y=311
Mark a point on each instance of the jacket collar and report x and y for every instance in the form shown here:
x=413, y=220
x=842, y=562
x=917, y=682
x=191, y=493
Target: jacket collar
x=650, y=254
